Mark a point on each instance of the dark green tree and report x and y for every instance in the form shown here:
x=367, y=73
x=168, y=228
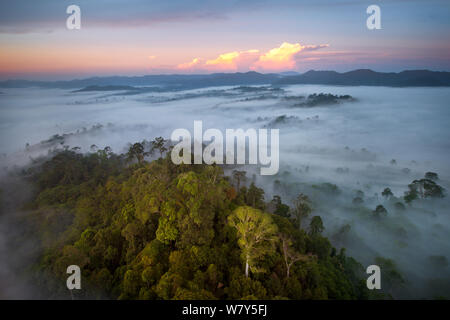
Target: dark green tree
x=431, y=176
x=316, y=226
x=380, y=211
x=387, y=193
x=136, y=151
x=159, y=144
x=238, y=177
x=302, y=208
x=280, y=208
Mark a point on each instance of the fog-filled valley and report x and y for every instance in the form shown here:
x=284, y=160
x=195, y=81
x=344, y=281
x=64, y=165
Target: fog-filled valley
x=341, y=150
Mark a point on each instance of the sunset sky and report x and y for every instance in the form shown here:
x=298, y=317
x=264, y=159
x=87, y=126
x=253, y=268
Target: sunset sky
x=137, y=37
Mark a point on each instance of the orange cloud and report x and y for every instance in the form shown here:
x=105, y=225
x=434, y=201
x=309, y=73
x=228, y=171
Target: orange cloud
x=224, y=59
x=231, y=61
x=93, y=59
x=285, y=57
x=189, y=65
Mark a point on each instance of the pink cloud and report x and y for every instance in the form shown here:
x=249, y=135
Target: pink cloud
x=189, y=65
x=231, y=61
x=284, y=57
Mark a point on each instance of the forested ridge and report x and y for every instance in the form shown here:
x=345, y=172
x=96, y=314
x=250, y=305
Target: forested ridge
x=154, y=230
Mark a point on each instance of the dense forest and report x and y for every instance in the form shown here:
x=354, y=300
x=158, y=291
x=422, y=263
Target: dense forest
x=149, y=229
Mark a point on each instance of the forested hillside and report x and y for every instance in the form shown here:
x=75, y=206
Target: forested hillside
x=152, y=230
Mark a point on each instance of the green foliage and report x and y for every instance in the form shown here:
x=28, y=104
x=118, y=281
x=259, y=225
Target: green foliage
x=411, y=194
x=392, y=279
x=424, y=188
x=159, y=144
x=329, y=188
x=380, y=211
x=136, y=151
x=316, y=226
x=254, y=197
x=154, y=230
x=280, y=208
x=256, y=235
x=387, y=193
x=302, y=208
x=238, y=176
x=431, y=176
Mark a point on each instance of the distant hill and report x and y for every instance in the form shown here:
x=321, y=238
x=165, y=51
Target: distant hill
x=107, y=88
x=366, y=77
x=170, y=81
x=411, y=78
x=289, y=73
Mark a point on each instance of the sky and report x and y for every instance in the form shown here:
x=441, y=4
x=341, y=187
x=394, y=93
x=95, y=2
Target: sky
x=137, y=37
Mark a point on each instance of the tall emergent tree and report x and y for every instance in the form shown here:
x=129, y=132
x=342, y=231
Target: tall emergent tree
x=423, y=188
x=159, y=144
x=136, y=151
x=302, y=208
x=289, y=254
x=256, y=235
x=279, y=207
x=316, y=226
x=238, y=176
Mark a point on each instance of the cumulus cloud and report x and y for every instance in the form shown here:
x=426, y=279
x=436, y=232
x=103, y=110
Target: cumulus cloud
x=284, y=57
x=189, y=65
x=230, y=61
x=234, y=60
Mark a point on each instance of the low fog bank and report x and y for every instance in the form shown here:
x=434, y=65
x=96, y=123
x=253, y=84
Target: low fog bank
x=19, y=248
x=383, y=137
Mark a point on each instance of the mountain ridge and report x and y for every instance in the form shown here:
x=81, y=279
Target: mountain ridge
x=358, y=77
x=367, y=77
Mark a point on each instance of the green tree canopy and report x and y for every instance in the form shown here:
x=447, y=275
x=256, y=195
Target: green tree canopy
x=256, y=235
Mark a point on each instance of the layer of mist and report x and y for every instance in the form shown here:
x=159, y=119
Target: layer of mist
x=333, y=151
